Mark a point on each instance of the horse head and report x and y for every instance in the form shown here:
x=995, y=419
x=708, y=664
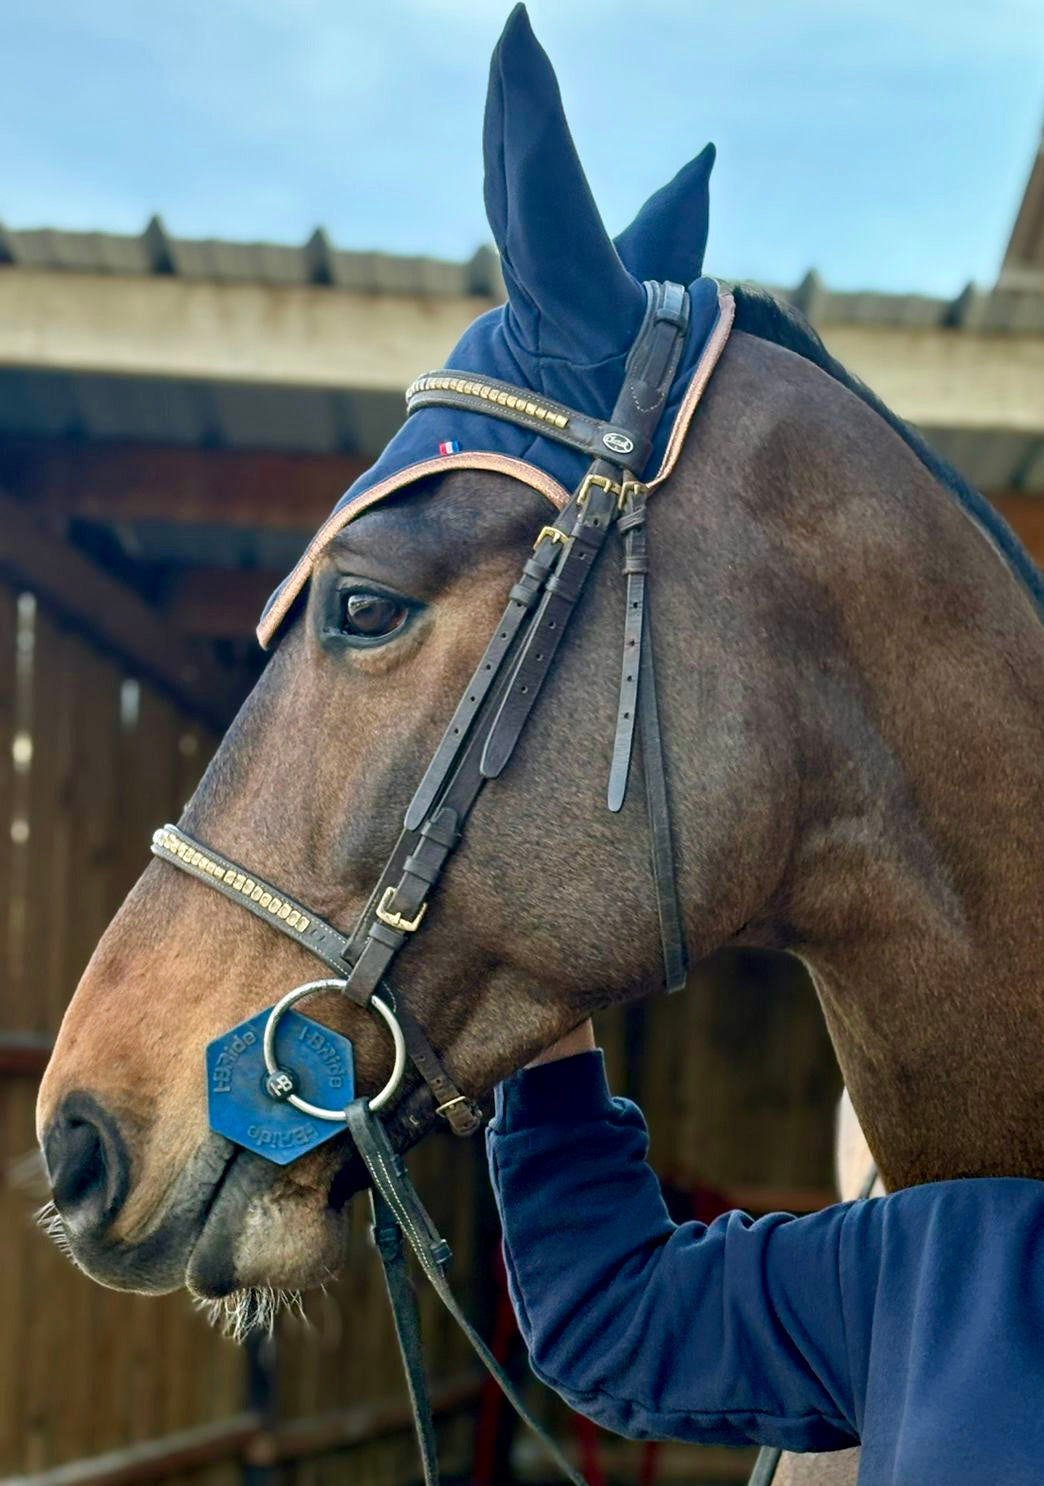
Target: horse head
x=374, y=636
x=811, y=583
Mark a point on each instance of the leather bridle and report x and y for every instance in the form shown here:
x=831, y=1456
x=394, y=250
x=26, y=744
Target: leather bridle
x=477, y=745
x=486, y=726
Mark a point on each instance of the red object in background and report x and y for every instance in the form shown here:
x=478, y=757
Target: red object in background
x=649, y=1461
x=590, y=1455
x=491, y=1401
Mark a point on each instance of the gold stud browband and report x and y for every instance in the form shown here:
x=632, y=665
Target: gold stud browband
x=488, y=392
x=239, y=882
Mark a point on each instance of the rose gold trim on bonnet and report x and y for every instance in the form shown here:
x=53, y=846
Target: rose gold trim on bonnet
x=697, y=385
x=502, y=464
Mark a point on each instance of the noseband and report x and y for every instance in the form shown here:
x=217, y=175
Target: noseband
x=477, y=745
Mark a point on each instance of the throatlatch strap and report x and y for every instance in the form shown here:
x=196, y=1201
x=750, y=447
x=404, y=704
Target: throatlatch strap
x=390, y=1181
x=638, y=703
x=631, y=525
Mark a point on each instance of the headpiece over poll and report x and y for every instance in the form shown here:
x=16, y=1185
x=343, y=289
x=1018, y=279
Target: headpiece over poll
x=575, y=304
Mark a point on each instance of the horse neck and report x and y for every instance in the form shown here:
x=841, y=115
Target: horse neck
x=862, y=684
x=916, y=883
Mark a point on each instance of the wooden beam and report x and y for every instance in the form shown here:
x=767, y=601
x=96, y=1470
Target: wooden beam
x=282, y=335
x=217, y=602
x=262, y=490
x=114, y=615
x=153, y=1460
x=244, y=1437
x=303, y=1439
x=1025, y=515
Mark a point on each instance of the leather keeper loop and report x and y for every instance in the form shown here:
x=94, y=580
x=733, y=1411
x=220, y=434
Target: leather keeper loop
x=527, y=597
x=442, y=828
x=565, y=587
x=390, y=938
x=416, y=867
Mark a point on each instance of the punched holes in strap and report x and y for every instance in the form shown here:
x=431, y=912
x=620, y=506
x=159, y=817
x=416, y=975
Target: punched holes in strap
x=635, y=565
x=563, y=589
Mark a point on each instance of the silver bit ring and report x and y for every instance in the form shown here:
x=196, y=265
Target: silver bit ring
x=383, y=1010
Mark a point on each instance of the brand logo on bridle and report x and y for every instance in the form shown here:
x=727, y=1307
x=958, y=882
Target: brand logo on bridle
x=618, y=442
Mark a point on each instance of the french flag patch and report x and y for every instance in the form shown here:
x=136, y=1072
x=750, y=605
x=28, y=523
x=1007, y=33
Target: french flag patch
x=449, y=446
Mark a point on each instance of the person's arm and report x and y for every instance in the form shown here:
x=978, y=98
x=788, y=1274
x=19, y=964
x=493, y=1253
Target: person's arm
x=731, y=1333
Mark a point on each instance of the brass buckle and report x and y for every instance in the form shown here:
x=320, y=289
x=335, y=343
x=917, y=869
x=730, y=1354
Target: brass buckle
x=396, y=920
x=632, y=487
x=554, y=533
x=602, y=481
x=440, y=1109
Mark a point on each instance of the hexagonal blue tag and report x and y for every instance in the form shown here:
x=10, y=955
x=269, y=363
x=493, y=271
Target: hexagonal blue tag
x=322, y=1063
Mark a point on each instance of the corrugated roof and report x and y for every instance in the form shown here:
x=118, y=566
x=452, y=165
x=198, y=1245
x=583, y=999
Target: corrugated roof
x=1011, y=307
x=155, y=251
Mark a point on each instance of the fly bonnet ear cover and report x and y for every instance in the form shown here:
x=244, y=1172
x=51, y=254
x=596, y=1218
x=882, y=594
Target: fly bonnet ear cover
x=575, y=304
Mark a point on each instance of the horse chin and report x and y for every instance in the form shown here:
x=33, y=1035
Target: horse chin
x=267, y=1232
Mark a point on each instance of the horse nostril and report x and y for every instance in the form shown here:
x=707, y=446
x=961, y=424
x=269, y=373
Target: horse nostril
x=87, y=1163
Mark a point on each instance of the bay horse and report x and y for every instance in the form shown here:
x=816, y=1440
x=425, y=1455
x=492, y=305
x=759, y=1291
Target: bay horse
x=851, y=669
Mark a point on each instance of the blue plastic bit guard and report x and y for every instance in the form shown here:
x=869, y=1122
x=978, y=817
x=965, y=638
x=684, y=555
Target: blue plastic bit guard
x=322, y=1064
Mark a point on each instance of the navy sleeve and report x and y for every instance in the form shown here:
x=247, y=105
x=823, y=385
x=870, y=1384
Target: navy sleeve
x=732, y=1333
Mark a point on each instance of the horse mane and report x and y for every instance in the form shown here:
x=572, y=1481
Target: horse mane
x=760, y=313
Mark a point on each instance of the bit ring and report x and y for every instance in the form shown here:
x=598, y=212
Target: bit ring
x=383, y=1010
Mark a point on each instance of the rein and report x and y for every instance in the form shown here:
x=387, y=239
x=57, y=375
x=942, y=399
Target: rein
x=477, y=745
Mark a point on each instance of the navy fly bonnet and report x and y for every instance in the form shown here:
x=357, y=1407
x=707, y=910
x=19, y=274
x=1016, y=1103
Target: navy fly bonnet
x=575, y=304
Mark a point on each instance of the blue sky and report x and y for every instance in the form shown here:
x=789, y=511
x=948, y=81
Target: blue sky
x=884, y=142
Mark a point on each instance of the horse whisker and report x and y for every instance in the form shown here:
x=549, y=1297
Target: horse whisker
x=50, y=1221
x=245, y=1313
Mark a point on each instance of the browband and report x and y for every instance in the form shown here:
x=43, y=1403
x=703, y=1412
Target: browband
x=618, y=441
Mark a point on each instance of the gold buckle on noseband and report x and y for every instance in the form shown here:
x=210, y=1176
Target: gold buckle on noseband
x=396, y=920
x=555, y=533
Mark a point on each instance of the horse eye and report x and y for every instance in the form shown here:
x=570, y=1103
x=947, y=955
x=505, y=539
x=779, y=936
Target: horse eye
x=371, y=616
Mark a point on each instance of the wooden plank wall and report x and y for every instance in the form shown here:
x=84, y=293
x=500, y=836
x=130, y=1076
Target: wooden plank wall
x=84, y=1370
x=736, y=1077
x=90, y=761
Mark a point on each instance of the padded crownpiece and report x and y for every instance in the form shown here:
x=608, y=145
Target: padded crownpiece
x=575, y=304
